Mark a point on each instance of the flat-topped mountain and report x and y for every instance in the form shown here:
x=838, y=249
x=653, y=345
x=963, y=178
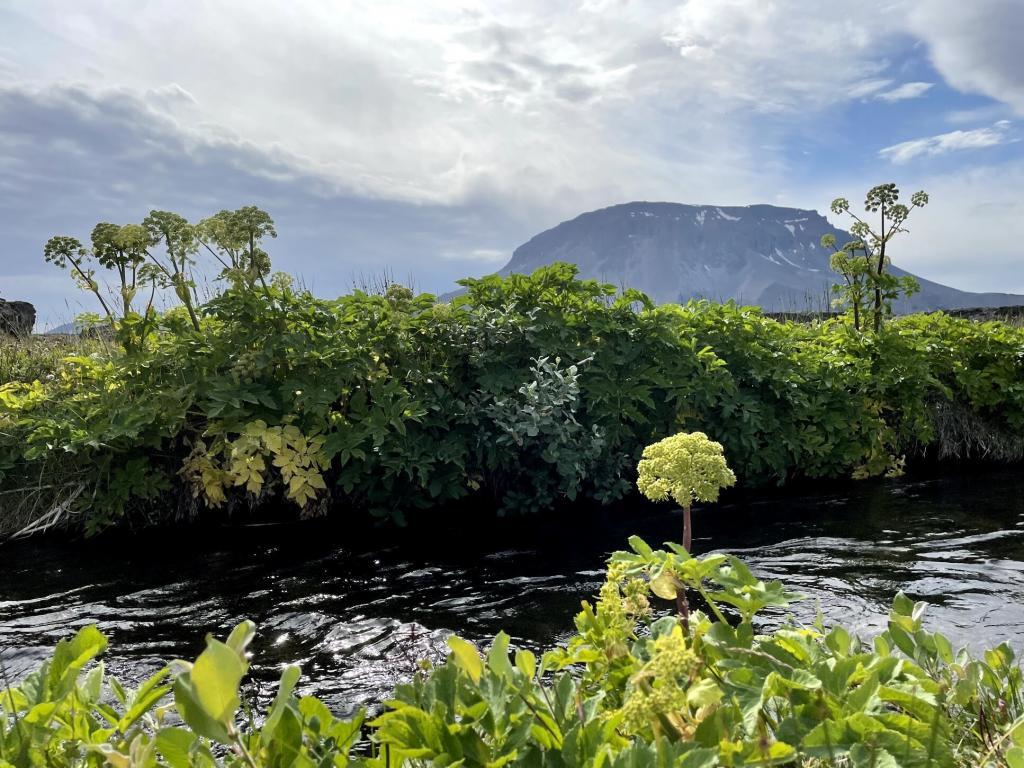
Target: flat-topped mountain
x=755, y=254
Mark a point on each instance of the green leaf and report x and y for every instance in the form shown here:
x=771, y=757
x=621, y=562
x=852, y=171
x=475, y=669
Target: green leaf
x=943, y=647
x=838, y=640
x=868, y=756
x=701, y=757
x=901, y=639
x=1016, y=732
x=144, y=699
x=187, y=703
x=70, y=656
x=664, y=585
x=346, y=732
x=902, y=605
x=174, y=745
x=861, y=697
x=640, y=546
x=289, y=678
x=497, y=657
x=286, y=742
x=467, y=658
x=240, y=637
x=703, y=693
x=90, y=688
x=216, y=676
x=1015, y=757
x=526, y=662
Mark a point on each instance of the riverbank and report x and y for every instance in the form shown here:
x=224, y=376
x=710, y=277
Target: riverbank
x=524, y=394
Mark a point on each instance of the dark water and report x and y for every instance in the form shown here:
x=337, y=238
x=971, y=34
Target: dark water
x=357, y=610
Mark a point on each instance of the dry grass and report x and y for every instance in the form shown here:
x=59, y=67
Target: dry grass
x=961, y=433
x=37, y=506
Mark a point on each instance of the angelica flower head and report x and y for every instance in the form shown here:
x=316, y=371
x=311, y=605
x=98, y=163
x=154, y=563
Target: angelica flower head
x=687, y=467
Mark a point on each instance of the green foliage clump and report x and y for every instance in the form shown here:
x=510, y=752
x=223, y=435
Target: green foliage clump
x=30, y=358
x=413, y=403
x=630, y=688
x=687, y=467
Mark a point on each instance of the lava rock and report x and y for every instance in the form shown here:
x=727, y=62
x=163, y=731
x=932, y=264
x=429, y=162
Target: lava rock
x=17, y=318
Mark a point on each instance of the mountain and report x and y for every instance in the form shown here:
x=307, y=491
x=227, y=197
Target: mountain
x=755, y=254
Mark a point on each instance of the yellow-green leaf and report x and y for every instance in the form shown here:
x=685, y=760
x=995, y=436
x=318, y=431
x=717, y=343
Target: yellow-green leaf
x=466, y=657
x=216, y=676
x=664, y=585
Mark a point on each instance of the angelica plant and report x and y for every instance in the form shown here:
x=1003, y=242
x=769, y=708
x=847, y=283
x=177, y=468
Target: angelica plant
x=863, y=262
x=687, y=467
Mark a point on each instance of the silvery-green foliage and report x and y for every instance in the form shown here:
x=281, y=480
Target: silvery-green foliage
x=540, y=418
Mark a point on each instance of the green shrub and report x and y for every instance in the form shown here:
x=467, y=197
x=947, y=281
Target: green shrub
x=526, y=391
x=630, y=688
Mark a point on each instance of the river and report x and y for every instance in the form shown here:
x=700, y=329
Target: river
x=356, y=609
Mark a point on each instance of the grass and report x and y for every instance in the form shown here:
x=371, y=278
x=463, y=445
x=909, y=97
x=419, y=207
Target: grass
x=40, y=356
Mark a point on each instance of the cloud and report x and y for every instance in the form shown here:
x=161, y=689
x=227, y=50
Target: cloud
x=867, y=88
x=424, y=104
x=998, y=133
x=779, y=56
x=905, y=91
x=494, y=256
x=975, y=45
x=540, y=104
x=878, y=88
x=986, y=113
x=432, y=137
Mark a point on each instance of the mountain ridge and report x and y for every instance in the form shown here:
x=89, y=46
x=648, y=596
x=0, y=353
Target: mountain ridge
x=758, y=254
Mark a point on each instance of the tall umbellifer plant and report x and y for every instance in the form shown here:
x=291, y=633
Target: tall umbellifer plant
x=687, y=467
x=120, y=250
x=863, y=262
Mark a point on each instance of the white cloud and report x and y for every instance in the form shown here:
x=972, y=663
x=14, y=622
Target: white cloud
x=905, y=91
x=545, y=106
x=987, y=113
x=975, y=45
x=782, y=55
x=422, y=103
x=494, y=256
x=550, y=108
x=999, y=133
x=867, y=88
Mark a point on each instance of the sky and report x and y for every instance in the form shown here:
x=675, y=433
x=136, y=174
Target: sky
x=427, y=140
